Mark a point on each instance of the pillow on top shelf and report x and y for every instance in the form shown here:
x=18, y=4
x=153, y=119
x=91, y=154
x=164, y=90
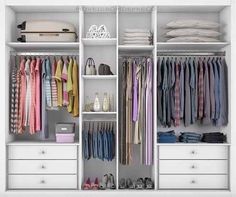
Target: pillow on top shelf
x=193, y=32
x=192, y=39
x=192, y=23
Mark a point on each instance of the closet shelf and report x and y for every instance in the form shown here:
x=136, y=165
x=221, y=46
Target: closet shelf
x=52, y=143
x=193, y=144
x=99, y=42
x=44, y=45
x=99, y=77
x=136, y=47
x=191, y=45
x=99, y=113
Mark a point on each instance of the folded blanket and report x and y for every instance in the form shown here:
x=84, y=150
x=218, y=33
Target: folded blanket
x=137, y=34
x=137, y=31
x=137, y=42
x=140, y=38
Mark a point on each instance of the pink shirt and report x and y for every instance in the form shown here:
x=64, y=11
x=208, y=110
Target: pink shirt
x=22, y=97
x=38, y=94
x=33, y=99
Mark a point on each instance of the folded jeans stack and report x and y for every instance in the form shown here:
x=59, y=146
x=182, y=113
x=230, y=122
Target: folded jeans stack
x=190, y=137
x=166, y=137
x=215, y=137
x=137, y=37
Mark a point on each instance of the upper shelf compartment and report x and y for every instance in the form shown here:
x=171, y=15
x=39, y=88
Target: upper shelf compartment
x=103, y=20
x=136, y=26
x=18, y=14
x=216, y=14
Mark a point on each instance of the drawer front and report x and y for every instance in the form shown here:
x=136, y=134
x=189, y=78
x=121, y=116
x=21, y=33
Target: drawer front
x=42, y=152
x=193, y=166
x=42, y=181
x=42, y=166
x=193, y=152
x=193, y=182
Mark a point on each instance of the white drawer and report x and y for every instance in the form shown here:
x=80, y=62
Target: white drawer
x=42, y=181
x=42, y=166
x=193, y=152
x=42, y=152
x=193, y=166
x=193, y=182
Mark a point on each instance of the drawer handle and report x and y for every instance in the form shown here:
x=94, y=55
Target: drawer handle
x=42, y=181
x=193, y=152
x=43, y=152
x=193, y=181
x=193, y=167
x=43, y=166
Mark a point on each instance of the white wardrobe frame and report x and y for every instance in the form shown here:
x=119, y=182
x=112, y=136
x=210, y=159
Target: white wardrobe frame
x=4, y=138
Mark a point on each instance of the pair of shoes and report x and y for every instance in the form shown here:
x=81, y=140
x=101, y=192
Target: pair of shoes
x=145, y=183
x=107, y=182
x=126, y=184
x=91, y=186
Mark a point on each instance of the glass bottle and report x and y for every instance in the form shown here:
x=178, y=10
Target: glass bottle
x=105, y=105
x=96, y=105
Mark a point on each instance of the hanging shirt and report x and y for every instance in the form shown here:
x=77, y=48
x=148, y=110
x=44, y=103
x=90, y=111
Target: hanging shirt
x=45, y=131
x=13, y=110
x=206, y=95
x=196, y=87
x=32, y=116
x=168, y=93
x=192, y=89
x=177, y=94
x=54, y=85
x=28, y=92
x=75, y=89
x=38, y=94
x=135, y=93
x=216, y=90
x=187, y=103
x=200, y=89
x=64, y=78
x=58, y=78
x=48, y=77
x=182, y=82
x=164, y=90
x=70, y=86
x=172, y=91
x=212, y=87
x=159, y=90
x=22, y=97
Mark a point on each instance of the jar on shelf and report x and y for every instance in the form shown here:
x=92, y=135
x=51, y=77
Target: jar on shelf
x=105, y=105
x=96, y=104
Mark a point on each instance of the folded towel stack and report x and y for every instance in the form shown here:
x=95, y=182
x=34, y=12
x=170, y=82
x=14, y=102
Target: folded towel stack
x=215, y=137
x=137, y=37
x=166, y=137
x=190, y=137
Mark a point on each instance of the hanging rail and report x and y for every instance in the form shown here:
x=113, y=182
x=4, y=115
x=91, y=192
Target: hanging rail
x=59, y=53
x=191, y=53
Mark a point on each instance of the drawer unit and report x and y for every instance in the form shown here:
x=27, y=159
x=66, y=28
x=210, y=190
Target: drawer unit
x=42, y=181
x=42, y=152
x=193, y=152
x=193, y=182
x=193, y=167
x=42, y=166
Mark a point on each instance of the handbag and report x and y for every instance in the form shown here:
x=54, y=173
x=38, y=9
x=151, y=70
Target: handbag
x=104, y=69
x=90, y=68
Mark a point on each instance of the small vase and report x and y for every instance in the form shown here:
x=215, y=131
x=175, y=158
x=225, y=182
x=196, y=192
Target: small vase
x=96, y=105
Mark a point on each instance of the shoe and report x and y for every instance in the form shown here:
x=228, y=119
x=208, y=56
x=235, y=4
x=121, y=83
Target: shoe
x=130, y=184
x=87, y=185
x=139, y=184
x=103, y=182
x=122, y=184
x=148, y=183
x=111, y=182
x=94, y=186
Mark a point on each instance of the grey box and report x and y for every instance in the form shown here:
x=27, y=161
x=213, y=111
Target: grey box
x=65, y=127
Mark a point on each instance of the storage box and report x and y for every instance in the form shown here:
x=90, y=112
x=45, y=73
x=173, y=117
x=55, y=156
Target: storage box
x=65, y=137
x=65, y=128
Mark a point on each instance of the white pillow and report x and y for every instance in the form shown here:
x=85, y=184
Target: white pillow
x=137, y=31
x=192, y=39
x=193, y=32
x=191, y=23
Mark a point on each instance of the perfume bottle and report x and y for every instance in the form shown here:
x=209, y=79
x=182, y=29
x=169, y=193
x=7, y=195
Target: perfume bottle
x=105, y=105
x=96, y=105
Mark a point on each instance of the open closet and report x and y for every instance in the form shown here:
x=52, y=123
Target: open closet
x=139, y=101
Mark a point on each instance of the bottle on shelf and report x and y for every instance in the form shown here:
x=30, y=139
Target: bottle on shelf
x=106, y=104
x=96, y=105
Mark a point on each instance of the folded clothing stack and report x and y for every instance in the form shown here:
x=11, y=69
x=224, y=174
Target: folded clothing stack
x=190, y=137
x=166, y=137
x=137, y=37
x=215, y=137
x=190, y=30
